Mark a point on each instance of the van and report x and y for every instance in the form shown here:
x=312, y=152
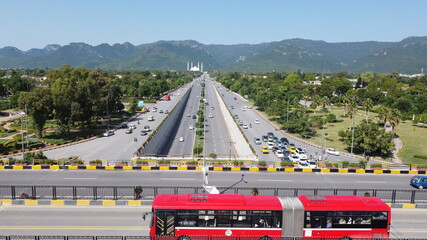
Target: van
x=419, y=181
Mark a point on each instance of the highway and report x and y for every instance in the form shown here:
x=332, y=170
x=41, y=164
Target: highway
x=127, y=221
x=237, y=106
x=194, y=179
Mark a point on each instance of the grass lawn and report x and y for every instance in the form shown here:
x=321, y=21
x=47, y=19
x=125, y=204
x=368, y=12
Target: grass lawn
x=414, y=142
x=332, y=129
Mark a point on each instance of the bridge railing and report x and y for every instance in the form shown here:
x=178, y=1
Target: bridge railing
x=149, y=192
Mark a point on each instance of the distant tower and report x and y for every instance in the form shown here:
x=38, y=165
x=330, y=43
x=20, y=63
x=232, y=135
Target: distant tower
x=188, y=66
x=422, y=70
x=201, y=68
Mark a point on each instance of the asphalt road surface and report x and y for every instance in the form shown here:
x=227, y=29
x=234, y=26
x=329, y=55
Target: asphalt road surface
x=127, y=221
x=194, y=179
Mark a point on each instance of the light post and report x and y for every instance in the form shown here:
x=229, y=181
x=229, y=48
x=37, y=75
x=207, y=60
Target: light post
x=22, y=135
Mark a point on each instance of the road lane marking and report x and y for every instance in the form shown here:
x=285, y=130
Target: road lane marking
x=275, y=180
x=371, y=181
x=79, y=178
x=179, y=179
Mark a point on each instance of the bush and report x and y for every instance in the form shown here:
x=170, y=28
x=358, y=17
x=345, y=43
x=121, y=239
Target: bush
x=237, y=163
x=212, y=155
x=139, y=161
x=96, y=162
x=329, y=164
x=192, y=163
x=345, y=164
x=286, y=164
x=164, y=162
x=376, y=165
x=262, y=163
x=198, y=149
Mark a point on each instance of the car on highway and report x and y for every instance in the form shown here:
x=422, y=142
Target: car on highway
x=245, y=126
x=124, y=125
x=143, y=133
x=419, y=181
x=241, y=122
x=188, y=115
x=194, y=116
x=292, y=149
x=154, y=110
x=294, y=158
x=244, y=108
x=270, y=145
x=257, y=140
x=167, y=112
x=147, y=128
x=160, y=111
x=236, y=116
x=332, y=152
x=210, y=115
x=133, y=126
x=181, y=139
x=129, y=131
x=191, y=127
x=270, y=135
x=232, y=107
x=150, y=118
x=264, y=138
x=256, y=121
x=279, y=153
x=301, y=153
x=264, y=149
x=235, y=98
x=312, y=164
x=303, y=164
x=108, y=133
x=284, y=140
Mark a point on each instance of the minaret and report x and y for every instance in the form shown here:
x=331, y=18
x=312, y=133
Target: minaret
x=188, y=66
x=201, y=69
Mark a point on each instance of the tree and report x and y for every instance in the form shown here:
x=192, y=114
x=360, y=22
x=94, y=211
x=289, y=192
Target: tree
x=298, y=121
x=368, y=138
x=367, y=105
x=39, y=106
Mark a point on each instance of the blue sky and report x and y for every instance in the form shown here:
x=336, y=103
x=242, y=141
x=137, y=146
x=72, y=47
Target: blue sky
x=35, y=23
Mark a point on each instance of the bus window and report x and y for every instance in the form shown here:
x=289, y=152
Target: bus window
x=223, y=218
x=206, y=218
x=379, y=220
x=262, y=219
x=241, y=219
x=186, y=218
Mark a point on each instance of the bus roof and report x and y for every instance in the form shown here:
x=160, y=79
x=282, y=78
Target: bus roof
x=342, y=203
x=216, y=201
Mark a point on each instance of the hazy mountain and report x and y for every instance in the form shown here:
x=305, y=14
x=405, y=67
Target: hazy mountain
x=406, y=56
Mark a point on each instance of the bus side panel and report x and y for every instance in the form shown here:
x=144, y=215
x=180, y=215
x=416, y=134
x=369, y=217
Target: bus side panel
x=344, y=232
x=231, y=232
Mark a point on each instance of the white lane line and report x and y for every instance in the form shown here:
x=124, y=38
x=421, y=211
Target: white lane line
x=275, y=180
x=179, y=179
x=370, y=181
x=80, y=178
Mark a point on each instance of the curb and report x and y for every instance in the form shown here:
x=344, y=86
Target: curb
x=45, y=202
x=225, y=169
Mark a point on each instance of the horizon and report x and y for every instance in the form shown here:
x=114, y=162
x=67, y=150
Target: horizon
x=35, y=24
x=111, y=44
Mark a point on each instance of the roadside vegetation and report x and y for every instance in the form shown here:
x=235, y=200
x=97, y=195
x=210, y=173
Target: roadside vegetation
x=68, y=104
x=331, y=110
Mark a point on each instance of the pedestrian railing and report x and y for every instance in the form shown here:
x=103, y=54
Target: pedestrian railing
x=149, y=192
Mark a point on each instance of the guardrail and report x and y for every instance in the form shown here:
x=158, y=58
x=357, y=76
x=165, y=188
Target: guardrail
x=29, y=237
x=128, y=192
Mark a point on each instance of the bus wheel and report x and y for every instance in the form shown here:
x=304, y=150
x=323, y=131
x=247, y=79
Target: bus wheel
x=345, y=238
x=184, y=237
x=265, y=238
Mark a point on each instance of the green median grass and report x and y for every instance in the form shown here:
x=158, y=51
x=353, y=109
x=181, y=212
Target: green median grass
x=414, y=142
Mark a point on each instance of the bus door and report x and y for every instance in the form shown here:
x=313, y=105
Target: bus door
x=165, y=223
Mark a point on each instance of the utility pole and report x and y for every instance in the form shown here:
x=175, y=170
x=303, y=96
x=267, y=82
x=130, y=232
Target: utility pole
x=22, y=136
x=230, y=142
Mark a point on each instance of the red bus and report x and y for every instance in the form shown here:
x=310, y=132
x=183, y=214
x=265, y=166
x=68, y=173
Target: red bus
x=195, y=216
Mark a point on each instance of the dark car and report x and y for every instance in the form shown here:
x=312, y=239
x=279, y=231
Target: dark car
x=270, y=134
x=284, y=140
x=194, y=117
x=264, y=138
x=124, y=125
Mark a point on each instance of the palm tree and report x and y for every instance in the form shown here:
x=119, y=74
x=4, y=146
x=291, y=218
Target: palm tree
x=315, y=100
x=352, y=111
x=395, y=118
x=368, y=105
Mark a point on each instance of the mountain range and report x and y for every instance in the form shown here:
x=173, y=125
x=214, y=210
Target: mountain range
x=406, y=56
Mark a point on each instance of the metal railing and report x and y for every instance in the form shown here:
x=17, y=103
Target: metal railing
x=29, y=237
x=149, y=192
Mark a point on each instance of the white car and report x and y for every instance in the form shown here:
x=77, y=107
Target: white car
x=181, y=139
x=303, y=164
x=244, y=108
x=133, y=126
x=108, y=133
x=312, y=164
x=257, y=140
x=210, y=115
x=301, y=154
x=256, y=121
x=279, y=153
x=294, y=158
x=245, y=126
x=270, y=145
x=191, y=127
x=332, y=152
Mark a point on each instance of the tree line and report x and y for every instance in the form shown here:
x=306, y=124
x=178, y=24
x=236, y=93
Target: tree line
x=290, y=97
x=77, y=97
